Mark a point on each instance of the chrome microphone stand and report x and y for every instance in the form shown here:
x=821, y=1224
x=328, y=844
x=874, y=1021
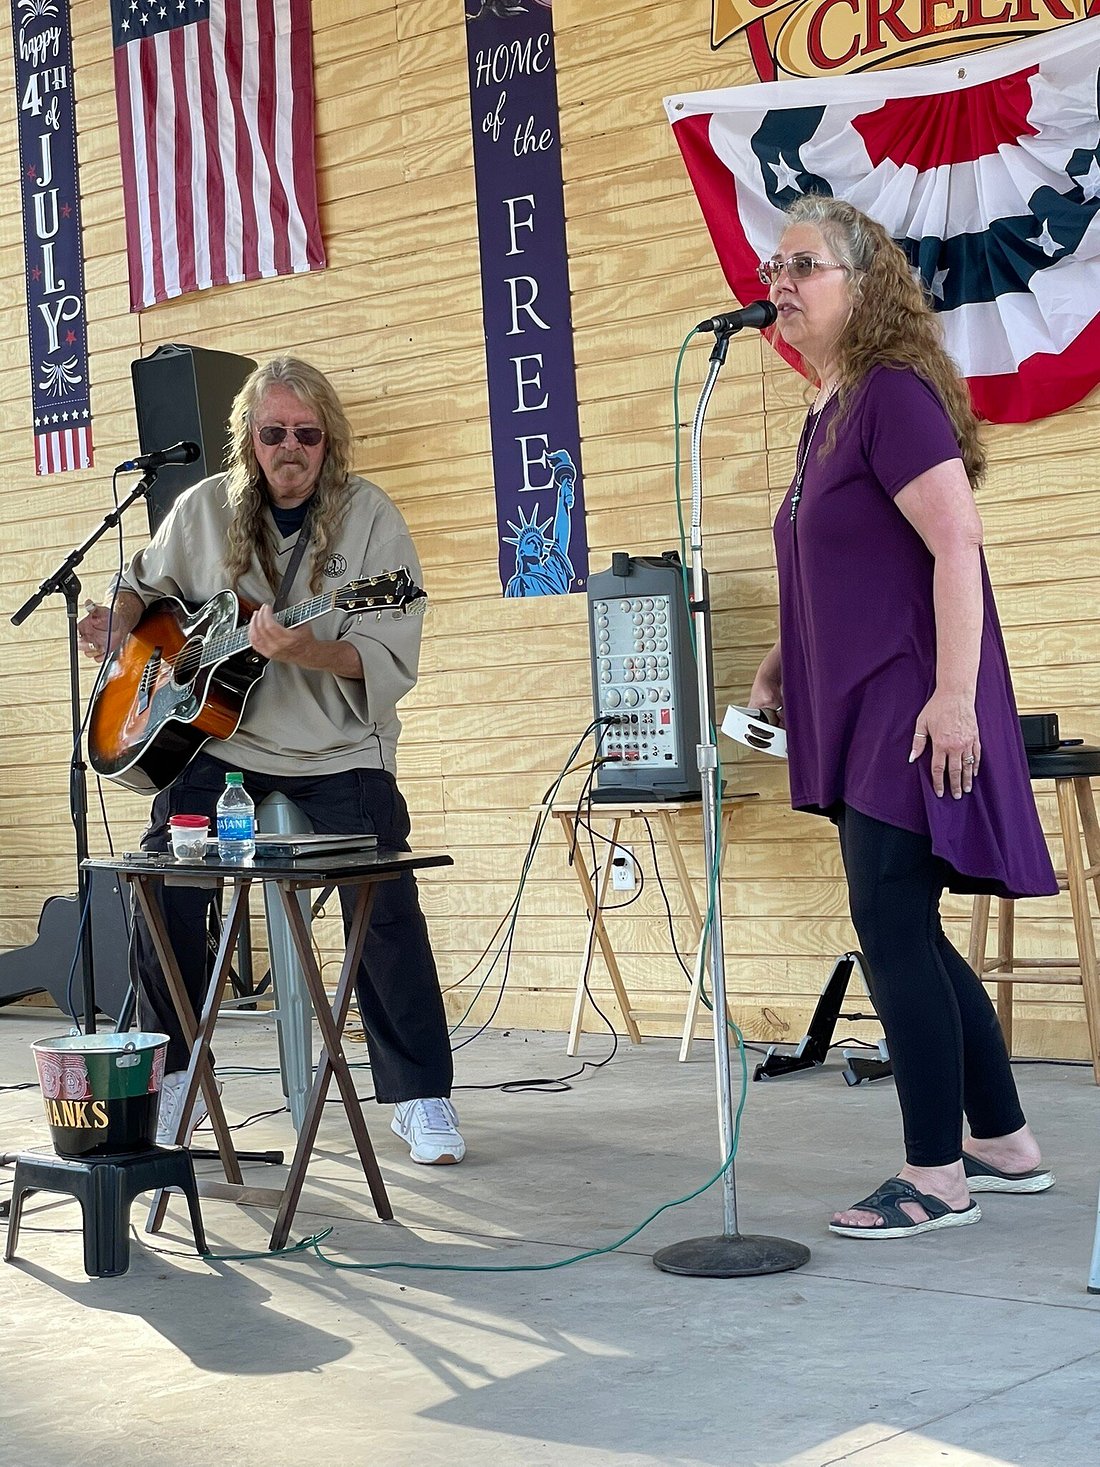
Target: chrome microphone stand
x=730, y=1253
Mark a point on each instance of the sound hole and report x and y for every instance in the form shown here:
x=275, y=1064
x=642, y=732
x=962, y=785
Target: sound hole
x=186, y=666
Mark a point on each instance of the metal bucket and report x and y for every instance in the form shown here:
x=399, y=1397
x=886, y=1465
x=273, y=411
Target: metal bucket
x=101, y=1091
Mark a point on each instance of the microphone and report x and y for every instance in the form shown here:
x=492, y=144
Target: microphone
x=760, y=314
x=179, y=453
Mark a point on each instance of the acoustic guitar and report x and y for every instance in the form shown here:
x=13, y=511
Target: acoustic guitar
x=182, y=677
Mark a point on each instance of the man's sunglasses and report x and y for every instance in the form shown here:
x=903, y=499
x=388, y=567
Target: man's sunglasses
x=798, y=267
x=275, y=433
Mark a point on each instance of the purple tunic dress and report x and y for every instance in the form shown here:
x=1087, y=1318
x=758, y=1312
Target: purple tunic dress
x=858, y=638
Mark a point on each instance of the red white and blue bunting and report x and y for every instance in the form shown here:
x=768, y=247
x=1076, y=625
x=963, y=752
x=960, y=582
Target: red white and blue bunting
x=985, y=169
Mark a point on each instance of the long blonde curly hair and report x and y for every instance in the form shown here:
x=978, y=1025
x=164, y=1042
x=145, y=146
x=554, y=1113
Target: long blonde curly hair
x=890, y=322
x=250, y=531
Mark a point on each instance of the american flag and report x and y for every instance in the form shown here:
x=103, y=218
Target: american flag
x=985, y=169
x=215, y=120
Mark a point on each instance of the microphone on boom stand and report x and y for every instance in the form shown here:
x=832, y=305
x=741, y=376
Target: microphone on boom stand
x=730, y=1253
x=761, y=315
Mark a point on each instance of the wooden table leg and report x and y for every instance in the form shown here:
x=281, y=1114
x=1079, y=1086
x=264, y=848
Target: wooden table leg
x=1087, y=808
x=594, y=900
x=1082, y=917
x=979, y=934
x=332, y=1061
x=196, y=1034
x=1006, y=960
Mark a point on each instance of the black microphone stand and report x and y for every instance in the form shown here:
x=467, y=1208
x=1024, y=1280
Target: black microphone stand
x=729, y=1254
x=64, y=581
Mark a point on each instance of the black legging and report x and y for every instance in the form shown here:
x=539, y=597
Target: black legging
x=945, y=1043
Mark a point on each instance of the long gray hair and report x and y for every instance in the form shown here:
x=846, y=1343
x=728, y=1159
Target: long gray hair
x=249, y=529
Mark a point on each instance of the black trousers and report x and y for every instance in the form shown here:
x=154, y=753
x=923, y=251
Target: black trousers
x=397, y=985
x=948, y=1053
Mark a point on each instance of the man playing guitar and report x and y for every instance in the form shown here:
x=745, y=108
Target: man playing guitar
x=320, y=726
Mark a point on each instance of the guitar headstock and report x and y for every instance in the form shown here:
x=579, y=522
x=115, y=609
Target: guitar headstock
x=392, y=590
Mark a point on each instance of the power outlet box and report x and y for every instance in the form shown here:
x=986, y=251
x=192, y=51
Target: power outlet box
x=624, y=869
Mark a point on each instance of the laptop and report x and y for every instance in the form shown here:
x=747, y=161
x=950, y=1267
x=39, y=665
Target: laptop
x=282, y=847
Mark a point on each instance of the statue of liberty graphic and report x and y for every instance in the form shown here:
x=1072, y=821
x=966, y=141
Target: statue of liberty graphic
x=543, y=567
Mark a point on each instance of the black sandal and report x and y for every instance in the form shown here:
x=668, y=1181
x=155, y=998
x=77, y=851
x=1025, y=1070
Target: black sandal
x=982, y=1177
x=887, y=1200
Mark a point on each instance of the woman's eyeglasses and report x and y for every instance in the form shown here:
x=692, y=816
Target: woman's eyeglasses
x=798, y=267
x=275, y=433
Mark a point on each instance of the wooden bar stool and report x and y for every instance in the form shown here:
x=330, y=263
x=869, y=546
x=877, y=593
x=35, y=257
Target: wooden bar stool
x=1071, y=770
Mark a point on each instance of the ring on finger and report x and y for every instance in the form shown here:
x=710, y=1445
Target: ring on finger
x=968, y=759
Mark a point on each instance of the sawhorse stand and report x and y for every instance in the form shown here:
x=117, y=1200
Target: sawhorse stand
x=813, y=1048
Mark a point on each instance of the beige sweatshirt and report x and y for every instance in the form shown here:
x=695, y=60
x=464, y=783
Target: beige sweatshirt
x=298, y=721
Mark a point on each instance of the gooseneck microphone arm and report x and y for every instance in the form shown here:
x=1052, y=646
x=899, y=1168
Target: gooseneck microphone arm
x=65, y=582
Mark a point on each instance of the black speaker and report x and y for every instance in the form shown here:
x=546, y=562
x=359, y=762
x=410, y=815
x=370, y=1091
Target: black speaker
x=184, y=394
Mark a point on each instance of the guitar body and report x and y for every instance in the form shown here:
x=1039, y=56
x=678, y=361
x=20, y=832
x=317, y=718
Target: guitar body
x=182, y=677
x=158, y=703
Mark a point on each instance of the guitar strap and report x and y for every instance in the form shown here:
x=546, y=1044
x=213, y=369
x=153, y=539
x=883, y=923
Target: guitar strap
x=283, y=593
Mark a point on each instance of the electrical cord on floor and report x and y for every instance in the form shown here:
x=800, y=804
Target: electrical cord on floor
x=260, y=1115
x=1070, y=1064
x=313, y=1243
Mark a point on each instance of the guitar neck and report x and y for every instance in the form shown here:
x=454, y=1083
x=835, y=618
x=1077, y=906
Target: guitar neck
x=219, y=648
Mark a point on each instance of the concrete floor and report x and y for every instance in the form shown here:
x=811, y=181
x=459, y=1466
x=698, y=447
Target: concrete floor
x=975, y=1346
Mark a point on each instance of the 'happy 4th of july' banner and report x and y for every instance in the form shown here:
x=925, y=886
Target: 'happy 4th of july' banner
x=56, y=321
x=525, y=298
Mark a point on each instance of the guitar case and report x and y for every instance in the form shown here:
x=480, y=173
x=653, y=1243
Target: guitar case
x=43, y=966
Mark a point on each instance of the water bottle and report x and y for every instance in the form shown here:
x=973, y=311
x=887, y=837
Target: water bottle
x=236, y=822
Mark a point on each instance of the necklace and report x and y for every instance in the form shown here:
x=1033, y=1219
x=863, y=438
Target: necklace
x=804, y=457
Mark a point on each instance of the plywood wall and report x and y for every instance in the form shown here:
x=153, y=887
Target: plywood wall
x=396, y=322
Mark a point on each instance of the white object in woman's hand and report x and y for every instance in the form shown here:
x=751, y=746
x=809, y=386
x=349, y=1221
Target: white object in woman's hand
x=767, y=686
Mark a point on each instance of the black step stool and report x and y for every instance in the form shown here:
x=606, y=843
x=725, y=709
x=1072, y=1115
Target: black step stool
x=106, y=1187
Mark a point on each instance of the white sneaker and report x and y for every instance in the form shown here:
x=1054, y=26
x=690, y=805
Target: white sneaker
x=431, y=1129
x=171, y=1102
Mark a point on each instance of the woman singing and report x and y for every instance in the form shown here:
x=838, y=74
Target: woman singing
x=901, y=722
